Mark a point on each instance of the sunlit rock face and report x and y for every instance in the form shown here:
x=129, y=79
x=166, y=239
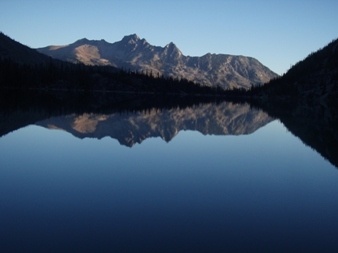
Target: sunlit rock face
x=133, y=53
x=131, y=128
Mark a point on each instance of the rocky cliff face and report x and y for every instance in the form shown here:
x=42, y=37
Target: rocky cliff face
x=222, y=70
x=131, y=128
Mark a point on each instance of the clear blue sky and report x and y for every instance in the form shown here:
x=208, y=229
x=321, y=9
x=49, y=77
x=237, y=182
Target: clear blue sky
x=277, y=33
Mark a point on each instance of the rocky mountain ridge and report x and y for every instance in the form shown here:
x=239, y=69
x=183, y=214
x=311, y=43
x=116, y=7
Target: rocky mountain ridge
x=134, y=53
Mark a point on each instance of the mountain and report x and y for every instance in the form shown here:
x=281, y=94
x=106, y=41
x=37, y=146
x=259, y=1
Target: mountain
x=24, y=68
x=18, y=53
x=134, y=127
x=315, y=77
x=311, y=84
x=133, y=53
x=305, y=100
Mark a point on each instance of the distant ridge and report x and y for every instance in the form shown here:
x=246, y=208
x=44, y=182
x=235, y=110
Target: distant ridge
x=132, y=52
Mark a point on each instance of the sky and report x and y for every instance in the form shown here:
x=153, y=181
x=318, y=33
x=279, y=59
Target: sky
x=277, y=33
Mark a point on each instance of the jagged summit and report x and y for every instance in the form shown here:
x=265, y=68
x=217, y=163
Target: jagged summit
x=172, y=46
x=172, y=50
x=133, y=37
x=81, y=41
x=131, y=52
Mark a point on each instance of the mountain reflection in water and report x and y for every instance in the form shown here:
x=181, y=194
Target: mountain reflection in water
x=131, y=119
x=265, y=191
x=130, y=128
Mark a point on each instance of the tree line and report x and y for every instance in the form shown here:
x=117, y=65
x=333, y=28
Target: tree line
x=60, y=75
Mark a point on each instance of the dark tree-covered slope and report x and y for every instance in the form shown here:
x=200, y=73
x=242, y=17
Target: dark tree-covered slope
x=18, y=53
x=314, y=78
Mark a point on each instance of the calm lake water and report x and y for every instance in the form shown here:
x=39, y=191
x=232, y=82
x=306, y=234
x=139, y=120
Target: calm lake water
x=202, y=179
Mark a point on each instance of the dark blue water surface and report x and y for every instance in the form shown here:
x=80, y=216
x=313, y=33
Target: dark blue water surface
x=262, y=192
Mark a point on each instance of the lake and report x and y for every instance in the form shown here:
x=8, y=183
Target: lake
x=203, y=178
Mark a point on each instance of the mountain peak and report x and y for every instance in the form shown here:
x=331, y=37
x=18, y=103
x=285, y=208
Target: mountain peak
x=81, y=41
x=171, y=45
x=132, y=37
x=172, y=49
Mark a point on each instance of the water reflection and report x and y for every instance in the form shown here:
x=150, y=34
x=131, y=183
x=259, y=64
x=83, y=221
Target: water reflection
x=132, y=119
x=315, y=124
x=264, y=192
x=134, y=127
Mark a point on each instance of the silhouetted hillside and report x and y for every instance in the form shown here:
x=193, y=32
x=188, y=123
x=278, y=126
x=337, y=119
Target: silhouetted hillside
x=305, y=99
x=309, y=86
x=314, y=78
x=18, y=53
